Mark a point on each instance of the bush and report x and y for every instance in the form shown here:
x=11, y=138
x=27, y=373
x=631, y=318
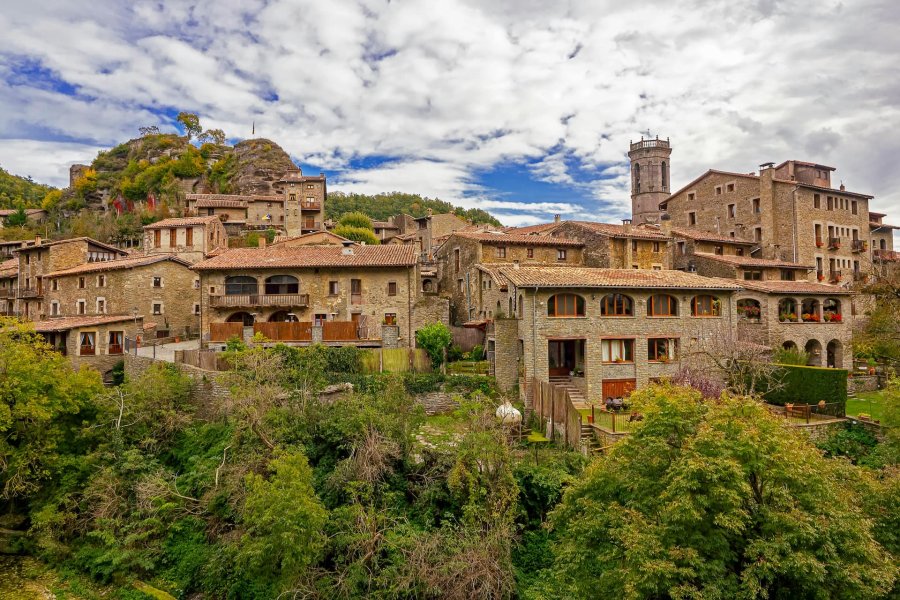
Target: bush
x=356, y=219
x=792, y=356
x=434, y=339
x=357, y=234
x=454, y=353
x=807, y=385
x=477, y=352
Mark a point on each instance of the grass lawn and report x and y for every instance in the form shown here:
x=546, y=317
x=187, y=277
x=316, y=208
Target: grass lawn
x=604, y=419
x=871, y=403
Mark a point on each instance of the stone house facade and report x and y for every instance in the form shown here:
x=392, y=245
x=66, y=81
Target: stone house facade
x=9, y=275
x=612, y=246
x=462, y=259
x=94, y=341
x=368, y=286
x=159, y=286
x=36, y=258
x=610, y=330
x=747, y=268
x=189, y=238
x=790, y=211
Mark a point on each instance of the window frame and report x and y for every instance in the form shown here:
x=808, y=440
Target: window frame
x=672, y=304
x=625, y=351
x=715, y=306
x=653, y=355
x=554, y=304
x=612, y=300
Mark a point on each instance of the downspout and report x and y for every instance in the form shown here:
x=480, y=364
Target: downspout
x=534, y=331
x=794, y=223
x=409, y=313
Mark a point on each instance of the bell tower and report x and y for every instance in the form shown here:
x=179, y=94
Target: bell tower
x=650, y=172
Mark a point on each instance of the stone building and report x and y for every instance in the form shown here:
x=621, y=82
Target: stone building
x=790, y=211
x=431, y=230
x=160, y=286
x=612, y=246
x=361, y=295
x=607, y=331
x=465, y=261
x=8, y=249
x=298, y=207
x=36, y=258
x=9, y=274
x=189, y=238
x=34, y=215
x=95, y=341
x=650, y=172
x=747, y=268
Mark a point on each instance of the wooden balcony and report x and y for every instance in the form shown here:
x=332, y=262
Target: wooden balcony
x=246, y=300
x=314, y=205
x=31, y=293
x=87, y=351
x=859, y=246
x=834, y=243
x=115, y=349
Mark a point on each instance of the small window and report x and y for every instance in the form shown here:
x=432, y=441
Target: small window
x=749, y=309
x=656, y=246
x=853, y=207
x=731, y=211
x=392, y=288
x=718, y=190
x=755, y=206
x=691, y=196
x=101, y=280
x=459, y=285
x=54, y=309
x=87, y=343
x=157, y=282
x=565, y=305
x=54, y=285
x=81, y=307
x=560, y=254
x=634, y=245
x=617, y=351
x=319, y=319
x=662, y=305
x=729, y=187
x=788, y=275
x=530, y=253
x=692, y=218
x=705, y=306
x=757, y=234
x=719, y=249
x=662, y=349
x=817, y=201
x=81, y=283
x=157, y=308
x=753, y=275
x=681, y=248
x=189, y=236
x=196, y=308
x=212, y=289
x=333, y=288
x=616, y=305
x=101, y=306
x=456, y=260
x=390, y=318
x=196, y=284
x=501, y=251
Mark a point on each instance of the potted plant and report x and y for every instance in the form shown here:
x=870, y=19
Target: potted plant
x=819, y=243
x=821, y=277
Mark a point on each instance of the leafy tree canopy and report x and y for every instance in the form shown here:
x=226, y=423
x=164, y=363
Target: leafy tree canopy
x=357, y=234
x=356, y=219
x=382, y=206
x=434, y=338
x=18, y=191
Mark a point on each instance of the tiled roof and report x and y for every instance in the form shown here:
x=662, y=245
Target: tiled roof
x=281, y=239
x=708, y=236
x=279, y=257
x=621, y=231
x=515, y=239
x=532, y=229
x=220, y=203
x=794, y=287
x=121, y=263
x=6, y=212
x=30, y=245
x=882, y=226
x=67, y=323
x=384, y=225
x=182, y=222
x=9, y=268
x=749, y=261
x=586, y=277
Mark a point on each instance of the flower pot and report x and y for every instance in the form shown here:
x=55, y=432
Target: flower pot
x=590, y=419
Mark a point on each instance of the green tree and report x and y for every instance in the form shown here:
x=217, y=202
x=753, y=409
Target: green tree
x=283, y=518
x=40, y=402
x=356, y=219
x=17, y=219
x=435, y=339
x=191, y=124
x=216, y=136
x=357, y=234
x=715, y=499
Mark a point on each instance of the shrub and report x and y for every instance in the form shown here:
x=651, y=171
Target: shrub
x=356, y=219
x=806, y=385
x=434, y=338
x=357, y=234
x=477, y=352
x=454, y=353
x=790, y=356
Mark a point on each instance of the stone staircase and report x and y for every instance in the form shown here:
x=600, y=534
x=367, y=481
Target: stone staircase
x=577, y=396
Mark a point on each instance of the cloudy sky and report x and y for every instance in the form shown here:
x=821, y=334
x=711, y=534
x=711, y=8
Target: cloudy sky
x=524, y=108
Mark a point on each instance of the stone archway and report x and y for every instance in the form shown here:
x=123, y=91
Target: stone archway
x=834, y=353
x=282, y=316
x=814, y=350
x=241, y=317
x=789, y=345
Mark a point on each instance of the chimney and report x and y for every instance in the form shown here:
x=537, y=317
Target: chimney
x=842, y=186
x=626, y=224
x=37, y=239
x=262, y=242
x=348, y=248
x=665, y=223
x=556, y=218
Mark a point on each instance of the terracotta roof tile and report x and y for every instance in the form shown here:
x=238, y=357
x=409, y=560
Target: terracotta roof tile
x=182, y=222
x=280, y=257
x=515, y=239
x=621, y=231
x=586, y=277
x=30, y=245
x=114, y=265
x=749, y=261
x=794, y=287
x=220, y=203
x=708, y=236
x=532, y=229
x=67, y=323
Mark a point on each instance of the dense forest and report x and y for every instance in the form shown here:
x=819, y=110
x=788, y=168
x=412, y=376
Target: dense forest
x=278, y=490
x=382, y=206
x=24, y=192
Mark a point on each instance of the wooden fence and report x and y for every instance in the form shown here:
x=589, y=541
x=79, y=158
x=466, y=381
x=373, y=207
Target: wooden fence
x=466, y=337
x=551, y=403
x=339, y=331
x=297, y=331
x=395, y=360
x=222, y=332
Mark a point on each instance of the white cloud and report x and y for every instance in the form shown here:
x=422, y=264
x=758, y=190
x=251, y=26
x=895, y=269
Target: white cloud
x=450, y=89
x=47, y=162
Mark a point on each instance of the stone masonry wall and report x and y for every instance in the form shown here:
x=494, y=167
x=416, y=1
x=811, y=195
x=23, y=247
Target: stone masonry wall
x=506, y=353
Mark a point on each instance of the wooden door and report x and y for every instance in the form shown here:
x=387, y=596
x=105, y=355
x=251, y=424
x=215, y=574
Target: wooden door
x=614, y=388
x=561, y=357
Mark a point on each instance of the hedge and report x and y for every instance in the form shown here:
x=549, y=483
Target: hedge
x=807, y=385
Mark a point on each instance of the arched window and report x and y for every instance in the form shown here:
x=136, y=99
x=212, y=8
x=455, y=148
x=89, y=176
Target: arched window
x=637, y=178
x=426, y=285
x=282, y=284
x=787, y=310
x=749, y=309
x=565, y=305
x=809, y=311
x=241, y=317
x=662, y=305
x=831, y=311
x=705, y=305
x=616, y=305
x=240, y=284
x=664, y=173
x=282, y=316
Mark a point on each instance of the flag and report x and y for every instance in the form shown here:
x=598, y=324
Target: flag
x=117, y=203
x=151, y=201
x=130, y=205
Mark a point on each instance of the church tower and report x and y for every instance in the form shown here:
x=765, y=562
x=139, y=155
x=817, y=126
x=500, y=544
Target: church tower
x=650, y=171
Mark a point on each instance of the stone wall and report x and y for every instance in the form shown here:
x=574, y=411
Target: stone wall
x=862, y=383
x=506, y=353
x=437, y=403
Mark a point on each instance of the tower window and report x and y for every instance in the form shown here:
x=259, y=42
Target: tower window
x=664, y=174
x=637, y=178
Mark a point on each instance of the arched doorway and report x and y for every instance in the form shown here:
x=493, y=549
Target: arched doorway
x=241, y=317
x=834, y=355
x=282, y=316
x=814, y=350
x=789, y=345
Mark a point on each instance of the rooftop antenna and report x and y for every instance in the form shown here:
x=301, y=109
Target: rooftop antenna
x=254, y=128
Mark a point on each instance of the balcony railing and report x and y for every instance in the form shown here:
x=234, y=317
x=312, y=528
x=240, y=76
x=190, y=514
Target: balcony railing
x=820, y=275
x=30, y=293
x=859, y=246
x=834, y=243
x=885, y=255
x=232, y=300
x=649, y=144
x=115, y=349
x=87, y=351
x=306, y=205
x=834, y=276
x=311, y=225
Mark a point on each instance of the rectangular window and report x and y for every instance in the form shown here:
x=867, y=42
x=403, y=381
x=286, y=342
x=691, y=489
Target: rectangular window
x=87, y=343
x=817, y=201
x=757, y=234
x=719, y=249
x=392, y=288
x=101, y=306
x=731, y=211
x=189, y=236
x=634, y=245
x=196, y=308
x=662, y=305
x=830, y=202
x=718, y=190
x=662, y=349
x=54, y=309
x=81, y=283
x=456, y=260
x=681, y=248
x=101, y=280
x=755, y=207
x=356, y=291
x=172, y=237
x=692, y=218
x=333, y=288
x=319, y=319
x=459, y=285
x=530, y=253
x=390, y=318
x=691, y=196
x=81, y=307
x=560, y=254
x=54, y=285
x=157, y=282
x=501, y=251
x=729, y=187
x=787, y=275
x=157, y=308
x=617, y=351
x=115, y=339
x=656, y=246
x=753, y=275
x=853, y=207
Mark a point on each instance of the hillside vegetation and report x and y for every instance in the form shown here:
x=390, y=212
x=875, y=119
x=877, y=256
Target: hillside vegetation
x=16, y=191
x=381, y=206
